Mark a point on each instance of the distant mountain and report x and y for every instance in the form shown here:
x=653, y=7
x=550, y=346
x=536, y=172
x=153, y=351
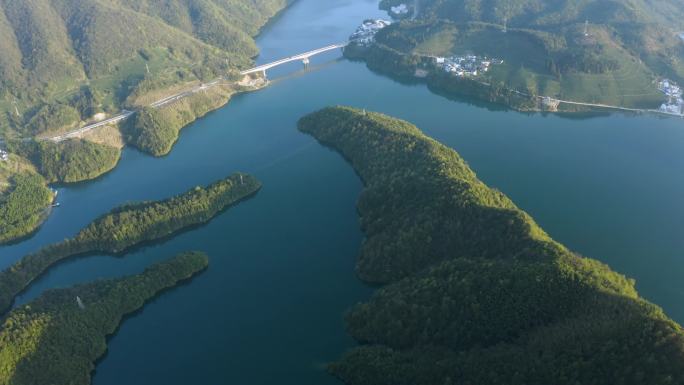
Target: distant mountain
x=549, y=13
x=647, y=26
x=52, y=49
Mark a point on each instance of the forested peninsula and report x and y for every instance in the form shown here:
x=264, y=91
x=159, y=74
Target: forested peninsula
x=474, y=291
x=128, y=226
x=57, y=338
x=24, y=199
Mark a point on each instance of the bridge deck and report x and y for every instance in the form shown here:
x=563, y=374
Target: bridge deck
x=302, y=56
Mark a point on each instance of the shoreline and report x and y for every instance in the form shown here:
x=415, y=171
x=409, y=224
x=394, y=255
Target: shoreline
x=116, y=120
x=456, y=87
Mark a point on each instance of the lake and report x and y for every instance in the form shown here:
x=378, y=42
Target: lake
x=270, y=308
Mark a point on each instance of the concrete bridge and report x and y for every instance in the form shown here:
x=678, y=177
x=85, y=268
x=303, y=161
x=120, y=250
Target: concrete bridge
x=303, y=57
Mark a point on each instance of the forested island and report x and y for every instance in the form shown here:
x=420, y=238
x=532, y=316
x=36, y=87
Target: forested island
x=128, y=226
x=474, y=291
x=57, y=338
x=603, y=53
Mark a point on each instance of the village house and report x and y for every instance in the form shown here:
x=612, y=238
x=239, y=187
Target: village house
x=675, y=102
x=469, y=65
x=364, y=36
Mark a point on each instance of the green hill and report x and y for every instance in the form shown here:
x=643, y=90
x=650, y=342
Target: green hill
x=475, y=292
x=63, y=52
x=24, y=199
x=626, y=47
x=56, y=338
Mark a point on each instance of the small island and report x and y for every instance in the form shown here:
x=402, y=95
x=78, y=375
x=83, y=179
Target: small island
x=475, y=292
x=57, y=338
x=129, y=226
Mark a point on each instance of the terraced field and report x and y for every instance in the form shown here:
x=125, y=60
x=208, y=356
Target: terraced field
x=526, y=67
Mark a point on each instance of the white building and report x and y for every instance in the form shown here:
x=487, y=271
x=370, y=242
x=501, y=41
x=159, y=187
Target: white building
x=400, y=9
x=469, y=65
x=675, y=102
x=4, y=156
x=365, y=34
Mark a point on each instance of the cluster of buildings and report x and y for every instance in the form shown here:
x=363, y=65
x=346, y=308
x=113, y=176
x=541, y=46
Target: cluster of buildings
x=364, y=36
x=4, y=155
x=675, y=103
x=469, y=65
x=399, y=10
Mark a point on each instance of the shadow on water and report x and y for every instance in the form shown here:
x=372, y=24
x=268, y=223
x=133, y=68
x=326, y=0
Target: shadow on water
x=274, y=20
x=304, y=71
x=412, y=81
x=180, y=284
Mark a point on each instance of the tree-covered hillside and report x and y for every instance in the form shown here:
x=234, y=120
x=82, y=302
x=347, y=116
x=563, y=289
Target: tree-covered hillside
x=476, y=292
x=89, y=55
x=24, y=199
x=57, y=338
x=597, y=51
x=549, y=13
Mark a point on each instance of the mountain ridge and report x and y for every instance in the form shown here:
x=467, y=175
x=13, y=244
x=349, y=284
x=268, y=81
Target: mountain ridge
x=56, y=48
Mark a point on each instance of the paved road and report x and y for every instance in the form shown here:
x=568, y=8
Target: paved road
x=75, y=133
x=125, y=114
x=170, y=99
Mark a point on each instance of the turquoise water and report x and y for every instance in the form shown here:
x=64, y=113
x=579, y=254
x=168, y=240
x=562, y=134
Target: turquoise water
x=270, y=308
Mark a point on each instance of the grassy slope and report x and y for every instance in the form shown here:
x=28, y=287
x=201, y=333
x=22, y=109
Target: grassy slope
x=476, y=292
x=53, y=341
x=637, y=35
x=53, y=48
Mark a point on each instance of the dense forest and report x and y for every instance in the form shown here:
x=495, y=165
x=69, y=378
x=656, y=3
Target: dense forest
x=64, y=60
x=474, y=291
x=57, y=338
x=23, y=204
x=70, y=161
x=128, y=226
x=155, y=131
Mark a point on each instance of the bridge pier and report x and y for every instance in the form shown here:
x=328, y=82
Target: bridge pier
x=306, y=62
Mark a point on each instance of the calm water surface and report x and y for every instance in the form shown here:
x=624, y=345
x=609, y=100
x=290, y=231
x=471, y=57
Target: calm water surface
x=270, y=308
